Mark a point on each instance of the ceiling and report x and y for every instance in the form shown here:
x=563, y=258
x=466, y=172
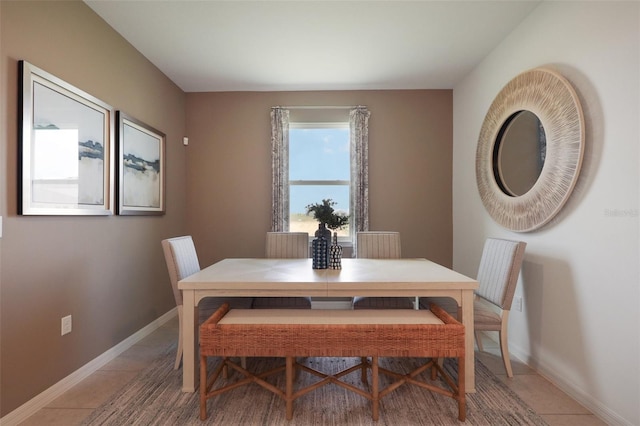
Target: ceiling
x=266, y=45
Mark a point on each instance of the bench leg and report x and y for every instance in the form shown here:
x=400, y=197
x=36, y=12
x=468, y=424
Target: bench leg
x=374, y=385
x=434, y=371
x=289, y=390
x=203, y=387
x=363, y=371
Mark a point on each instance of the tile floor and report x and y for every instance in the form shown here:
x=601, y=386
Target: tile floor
x=72, y=407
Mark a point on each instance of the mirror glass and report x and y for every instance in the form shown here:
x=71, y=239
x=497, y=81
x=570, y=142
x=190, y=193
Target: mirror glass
x=519, y=153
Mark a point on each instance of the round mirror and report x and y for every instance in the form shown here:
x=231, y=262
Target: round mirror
x=530, y=150
x=519, y=153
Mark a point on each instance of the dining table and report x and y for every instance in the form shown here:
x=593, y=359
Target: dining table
x=257, y=277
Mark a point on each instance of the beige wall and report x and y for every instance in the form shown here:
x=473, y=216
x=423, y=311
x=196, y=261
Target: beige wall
x=107, y=272
x=229, y=168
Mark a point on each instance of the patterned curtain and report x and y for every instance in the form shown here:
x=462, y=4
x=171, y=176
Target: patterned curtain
x=280, y=169
x=359, y=130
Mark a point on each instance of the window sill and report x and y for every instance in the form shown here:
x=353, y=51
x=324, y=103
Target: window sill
x=348, y=244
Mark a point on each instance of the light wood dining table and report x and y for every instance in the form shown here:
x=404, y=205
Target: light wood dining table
x=296, y=277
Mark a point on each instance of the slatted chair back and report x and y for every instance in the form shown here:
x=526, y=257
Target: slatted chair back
x=378, y=245
x=287, y=245
x=499, y=269
x=182, y=260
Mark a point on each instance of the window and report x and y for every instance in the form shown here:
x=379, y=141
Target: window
x=319, y=168
x=308, y=183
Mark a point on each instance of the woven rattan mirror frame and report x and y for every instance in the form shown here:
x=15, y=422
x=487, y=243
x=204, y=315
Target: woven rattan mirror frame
x=549, y=96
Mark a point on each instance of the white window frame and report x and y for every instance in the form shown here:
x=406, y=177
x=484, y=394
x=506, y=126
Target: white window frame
x=344, y=240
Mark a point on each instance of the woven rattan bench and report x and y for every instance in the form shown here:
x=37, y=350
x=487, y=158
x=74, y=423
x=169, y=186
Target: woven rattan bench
x=291, y=333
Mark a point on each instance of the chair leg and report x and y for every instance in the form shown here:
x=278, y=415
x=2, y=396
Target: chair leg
x=478, y=340
x=504, y=349
x=462, y=392
x=179, y=351
x=203, y=387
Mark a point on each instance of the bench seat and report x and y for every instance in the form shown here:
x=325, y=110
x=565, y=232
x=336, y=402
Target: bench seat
x=292, y=333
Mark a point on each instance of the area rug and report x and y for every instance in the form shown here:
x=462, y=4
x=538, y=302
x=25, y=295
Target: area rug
x=155, y=397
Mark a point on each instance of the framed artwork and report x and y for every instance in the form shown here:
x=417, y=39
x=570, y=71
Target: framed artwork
x=65, y=148
x=140, y=153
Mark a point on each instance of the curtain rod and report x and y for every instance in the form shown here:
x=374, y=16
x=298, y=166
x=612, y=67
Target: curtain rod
x=320, y=107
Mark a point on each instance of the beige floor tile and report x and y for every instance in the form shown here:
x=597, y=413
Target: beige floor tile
x=58, y=417
x=162, y=338
x=94, y=390
x=542, y=395
x=135, y=358
x=489, y=339
x=492, y=359
x=573, y=420
x=173, y=325
x=146, y=350
x=128, y=363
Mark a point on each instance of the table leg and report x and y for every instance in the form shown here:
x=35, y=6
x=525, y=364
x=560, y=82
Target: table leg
x=188, y=341
x=290, y=372
x=375, y=395
x=469, y=355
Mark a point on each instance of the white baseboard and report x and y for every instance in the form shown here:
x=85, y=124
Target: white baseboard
x=30, y=407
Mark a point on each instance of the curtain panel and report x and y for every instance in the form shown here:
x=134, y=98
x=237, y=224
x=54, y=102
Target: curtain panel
x=359, y=135
x=280, y=169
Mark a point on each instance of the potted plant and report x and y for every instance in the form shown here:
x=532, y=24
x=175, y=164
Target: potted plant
x=327, y=217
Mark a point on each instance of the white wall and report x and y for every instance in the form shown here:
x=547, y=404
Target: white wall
x=580, y=281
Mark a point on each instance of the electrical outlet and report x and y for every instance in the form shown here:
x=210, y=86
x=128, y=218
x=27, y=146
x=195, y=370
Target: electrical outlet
x=66, y=325
x=517, y=303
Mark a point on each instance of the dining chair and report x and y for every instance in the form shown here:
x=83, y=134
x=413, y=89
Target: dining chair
x=497, y=277
x=285, y=245
x=182, y=260
x=379, y=245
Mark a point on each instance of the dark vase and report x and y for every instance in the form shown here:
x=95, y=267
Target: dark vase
x=320, y=252
x=323, y=231
x=325, y=234
x=335, y=253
